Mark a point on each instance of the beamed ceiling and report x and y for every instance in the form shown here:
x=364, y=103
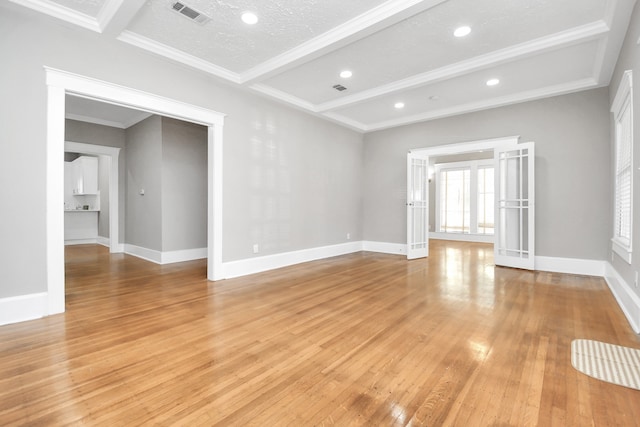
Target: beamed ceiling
x=398, y=51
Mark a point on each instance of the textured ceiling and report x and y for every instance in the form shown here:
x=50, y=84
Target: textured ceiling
x=284, y=24
x=398, y=50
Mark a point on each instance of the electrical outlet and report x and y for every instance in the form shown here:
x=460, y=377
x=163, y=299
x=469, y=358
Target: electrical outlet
x=256, y=248
x=348, y=236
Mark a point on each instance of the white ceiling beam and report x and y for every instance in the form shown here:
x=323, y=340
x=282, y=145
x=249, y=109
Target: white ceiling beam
x=530, y=95
x=178, y=56
x=115, y=15
x=565, y=38
x=380, y=17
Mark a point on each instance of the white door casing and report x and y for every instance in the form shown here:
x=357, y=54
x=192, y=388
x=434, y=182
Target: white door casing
x=59, y=83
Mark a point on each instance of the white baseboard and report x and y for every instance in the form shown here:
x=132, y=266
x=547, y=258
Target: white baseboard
x=586, y=267
x=167, y=257
x=183, y=255
x=143, y=253
x=627, y=299
x=385, y=248
x=104, y=241
x=460, y=237
x=70, y=242
x=23, y=308
x=270, y=262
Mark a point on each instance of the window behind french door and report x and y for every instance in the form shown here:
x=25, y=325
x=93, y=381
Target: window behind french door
x=465, y=197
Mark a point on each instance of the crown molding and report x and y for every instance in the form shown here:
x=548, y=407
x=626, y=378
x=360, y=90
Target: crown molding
x=136, y=119
x=346, y=121
x=283, y=96
x=565, y=38
x=531, y=95
x=95, y=121
x=60, y=12
x=178, y=56
x=382, y=16
x=108, y=11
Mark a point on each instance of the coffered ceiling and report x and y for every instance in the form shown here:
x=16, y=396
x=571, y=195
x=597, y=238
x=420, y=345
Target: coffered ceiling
x=401, y=53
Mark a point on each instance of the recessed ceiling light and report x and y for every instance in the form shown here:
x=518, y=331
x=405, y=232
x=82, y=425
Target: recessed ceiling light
x=399, y=105
x=492, y=82
x=346, y=74
x=249, y=18
x=462, y=31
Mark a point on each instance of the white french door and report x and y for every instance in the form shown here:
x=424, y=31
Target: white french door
x=417, y=205
x=514, y=221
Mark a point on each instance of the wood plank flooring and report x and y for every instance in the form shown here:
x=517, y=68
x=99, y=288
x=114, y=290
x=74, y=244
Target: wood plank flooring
x=363, y=339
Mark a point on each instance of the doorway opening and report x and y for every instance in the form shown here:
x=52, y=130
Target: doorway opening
x=60, y=84
x=110, y=157
x=514, y=165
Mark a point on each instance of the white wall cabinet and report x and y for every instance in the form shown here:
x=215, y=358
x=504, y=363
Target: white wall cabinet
x=85, y=175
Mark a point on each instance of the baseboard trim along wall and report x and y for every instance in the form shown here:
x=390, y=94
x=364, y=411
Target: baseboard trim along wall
x=166, y=257
x=92, y=241
x=23, y=308
x=385, y=248
x=271, y=262
x=627, y=299
x=104, y=241
x=586, y=267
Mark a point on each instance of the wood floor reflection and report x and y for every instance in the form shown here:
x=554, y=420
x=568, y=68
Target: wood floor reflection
x=362, y=339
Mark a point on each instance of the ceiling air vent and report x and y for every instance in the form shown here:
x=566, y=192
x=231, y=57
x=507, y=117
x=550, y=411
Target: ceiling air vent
x=339, y=88
x=190, y=13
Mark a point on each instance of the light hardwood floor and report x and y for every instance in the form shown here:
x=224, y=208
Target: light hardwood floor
x=363, y=339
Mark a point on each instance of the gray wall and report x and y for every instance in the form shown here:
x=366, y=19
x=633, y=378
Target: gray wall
x=143, y=213
x=573, y=182
x=184, y=185
x=90, y=133
x=291, y=181
x=629, y=60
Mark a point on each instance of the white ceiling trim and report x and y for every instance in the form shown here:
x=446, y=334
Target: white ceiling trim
x=532, y=95
x=346, y=121
x=120, y=125
x=178, y=56
x=283, y=96
x=107, y=12
x=136, y=119
x=61, y=12
x=95, y=121
x=521, y=51
x=382, y=16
